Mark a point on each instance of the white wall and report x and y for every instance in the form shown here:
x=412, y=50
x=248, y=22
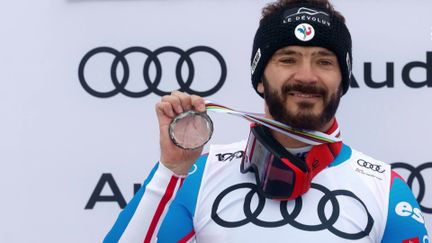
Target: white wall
x=57, y=140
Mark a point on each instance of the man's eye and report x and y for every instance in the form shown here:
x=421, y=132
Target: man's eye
x=325, y=62
x=287, y=60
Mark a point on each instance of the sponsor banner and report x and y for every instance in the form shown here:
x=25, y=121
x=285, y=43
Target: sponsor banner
x=152, y=80
x=417, y=177
x=81, y=78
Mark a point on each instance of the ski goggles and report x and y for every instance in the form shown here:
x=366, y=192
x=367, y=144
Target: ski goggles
x=279, y=174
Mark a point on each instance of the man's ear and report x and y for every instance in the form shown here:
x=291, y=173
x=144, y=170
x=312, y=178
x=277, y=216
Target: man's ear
x=260, y=88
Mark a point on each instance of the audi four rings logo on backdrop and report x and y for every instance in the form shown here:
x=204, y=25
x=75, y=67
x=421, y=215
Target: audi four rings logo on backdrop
x=118, y=72
x=417, y=174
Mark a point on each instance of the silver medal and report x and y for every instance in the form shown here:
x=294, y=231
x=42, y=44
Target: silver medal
x=191, y=130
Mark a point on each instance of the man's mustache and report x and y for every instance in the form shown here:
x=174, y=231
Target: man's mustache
x=304, y=88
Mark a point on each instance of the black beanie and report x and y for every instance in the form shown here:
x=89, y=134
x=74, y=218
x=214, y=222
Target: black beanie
x=301, y=25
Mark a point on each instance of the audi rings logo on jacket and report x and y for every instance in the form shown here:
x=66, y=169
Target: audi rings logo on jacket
x=417, y=173
x=368, y=165
x=252, y=213
x=120, y=62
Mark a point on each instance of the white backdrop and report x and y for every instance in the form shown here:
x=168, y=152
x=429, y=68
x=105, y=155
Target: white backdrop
x=58, y=141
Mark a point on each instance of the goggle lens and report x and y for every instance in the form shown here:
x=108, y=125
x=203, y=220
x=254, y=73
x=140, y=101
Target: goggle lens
x=275, y=177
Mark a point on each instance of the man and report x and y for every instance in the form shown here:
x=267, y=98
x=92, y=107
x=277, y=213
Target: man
x=278, y=189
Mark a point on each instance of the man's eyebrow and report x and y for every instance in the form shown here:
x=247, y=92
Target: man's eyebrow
x=323, y=53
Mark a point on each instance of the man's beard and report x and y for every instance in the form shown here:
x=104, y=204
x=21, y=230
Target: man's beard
x=304, y=118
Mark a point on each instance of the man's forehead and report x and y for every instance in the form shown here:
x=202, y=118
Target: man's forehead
x=300, y=50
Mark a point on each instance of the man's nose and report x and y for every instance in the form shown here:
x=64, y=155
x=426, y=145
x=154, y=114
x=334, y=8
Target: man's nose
x=306, y=73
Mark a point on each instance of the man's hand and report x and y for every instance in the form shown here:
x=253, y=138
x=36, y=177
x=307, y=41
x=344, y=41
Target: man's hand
x=176, y=159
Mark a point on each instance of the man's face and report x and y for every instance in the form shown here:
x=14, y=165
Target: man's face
x=302, y=86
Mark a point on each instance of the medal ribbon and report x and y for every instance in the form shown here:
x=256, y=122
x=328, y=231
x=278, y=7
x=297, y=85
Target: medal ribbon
x=305, y=136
